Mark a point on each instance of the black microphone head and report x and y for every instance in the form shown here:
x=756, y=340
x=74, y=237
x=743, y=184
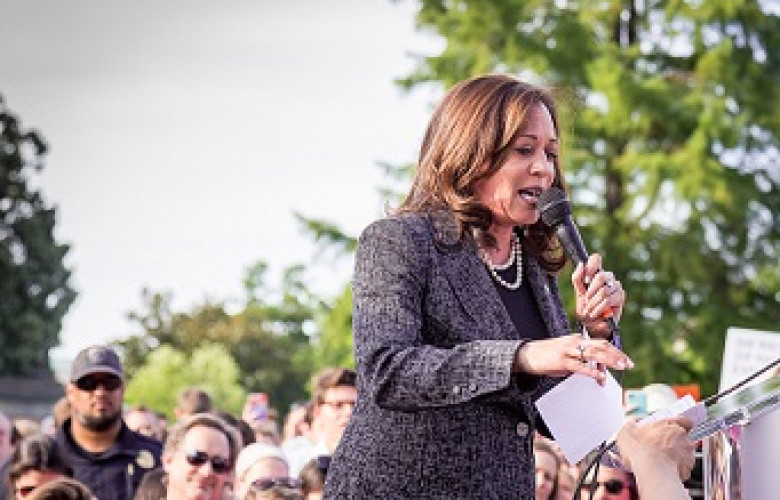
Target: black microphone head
x=553, y=206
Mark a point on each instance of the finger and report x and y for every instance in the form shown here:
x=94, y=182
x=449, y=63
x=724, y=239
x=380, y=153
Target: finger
x=603, y=281
x=589, y=370
x=604, y=303
x=686, y=467
x=577, y=279
x=592, y=268
x=602, y=352
x=596, y=306
x=684, y=422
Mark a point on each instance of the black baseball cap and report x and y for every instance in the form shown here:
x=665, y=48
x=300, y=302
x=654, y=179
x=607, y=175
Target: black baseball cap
x=96, y=359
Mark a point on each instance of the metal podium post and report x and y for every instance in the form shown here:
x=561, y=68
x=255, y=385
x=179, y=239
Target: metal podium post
x=741, y=437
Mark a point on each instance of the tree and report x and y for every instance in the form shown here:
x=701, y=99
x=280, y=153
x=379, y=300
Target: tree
x=167, y=371
x=672, y=153
x=333, y=345
x=267, y=338
x=35, y=292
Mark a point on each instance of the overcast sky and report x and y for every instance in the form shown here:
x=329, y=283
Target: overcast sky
x=184, y=134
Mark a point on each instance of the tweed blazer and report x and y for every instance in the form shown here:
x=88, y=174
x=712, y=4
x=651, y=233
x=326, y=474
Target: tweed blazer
x=439, y=413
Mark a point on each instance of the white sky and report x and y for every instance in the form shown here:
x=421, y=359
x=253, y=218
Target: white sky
x=184, y=134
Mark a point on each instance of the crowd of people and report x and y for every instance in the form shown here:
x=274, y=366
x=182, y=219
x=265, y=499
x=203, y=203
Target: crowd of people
x=97, y=448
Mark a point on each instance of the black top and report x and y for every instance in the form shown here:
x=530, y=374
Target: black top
x=521, y=305
x=524, y=312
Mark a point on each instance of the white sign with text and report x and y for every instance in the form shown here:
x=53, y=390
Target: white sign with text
x=746, y=352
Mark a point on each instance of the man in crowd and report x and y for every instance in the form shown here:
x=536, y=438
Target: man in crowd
x=333, y=397
x=192, y=400
x=104, y=453
x=142, y=420
x=198, y=458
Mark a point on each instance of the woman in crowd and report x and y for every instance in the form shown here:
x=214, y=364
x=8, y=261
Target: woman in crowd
x=458, y=324
x=547, y=466
x=611, y=484
x=274, y=489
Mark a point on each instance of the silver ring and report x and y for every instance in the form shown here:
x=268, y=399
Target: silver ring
x=611, y=287
x=581, y=348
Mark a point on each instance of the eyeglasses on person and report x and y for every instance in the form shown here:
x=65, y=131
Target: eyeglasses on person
x=340, y=405
x=90, y=383
x=611, y=486
x=198, y=458
x=272, y=482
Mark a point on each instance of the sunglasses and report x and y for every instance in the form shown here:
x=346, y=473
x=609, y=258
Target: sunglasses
x=272, y=482
x=198, y=458
x=611, y=486
x=89, y=384
x=24, y=491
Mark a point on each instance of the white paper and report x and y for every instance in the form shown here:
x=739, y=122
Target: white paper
x=581, y=415
x=685, y=406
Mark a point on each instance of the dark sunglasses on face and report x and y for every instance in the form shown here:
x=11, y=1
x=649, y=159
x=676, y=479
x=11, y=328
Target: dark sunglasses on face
x=272, y=482
x=89, y=383
x=197, y=458
x=24, y=491
x=612, y=486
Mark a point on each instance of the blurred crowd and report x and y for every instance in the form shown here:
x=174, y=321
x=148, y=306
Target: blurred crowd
x=95, y=447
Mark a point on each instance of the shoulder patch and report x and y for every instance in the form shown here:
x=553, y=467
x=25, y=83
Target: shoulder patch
x=145, y=459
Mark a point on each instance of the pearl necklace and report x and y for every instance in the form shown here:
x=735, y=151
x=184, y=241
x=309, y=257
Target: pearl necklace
x=515, y=257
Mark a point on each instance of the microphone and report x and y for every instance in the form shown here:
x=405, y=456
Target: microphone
x=555, y=212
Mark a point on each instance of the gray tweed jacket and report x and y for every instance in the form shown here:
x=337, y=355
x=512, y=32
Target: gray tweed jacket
x=439, y=413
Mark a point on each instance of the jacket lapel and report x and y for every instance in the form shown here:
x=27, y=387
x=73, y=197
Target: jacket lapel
x=546, y=299
x=470, y=281
x=476, y=292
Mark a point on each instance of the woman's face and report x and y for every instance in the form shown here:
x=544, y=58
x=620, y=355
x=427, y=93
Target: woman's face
x=546, y=474
x=511, y=192
x=613, y=485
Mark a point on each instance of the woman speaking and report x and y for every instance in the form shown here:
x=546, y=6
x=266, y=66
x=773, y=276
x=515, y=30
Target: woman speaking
x=458, y=324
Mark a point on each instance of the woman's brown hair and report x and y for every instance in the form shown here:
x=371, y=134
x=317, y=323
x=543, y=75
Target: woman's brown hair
x=470, y=137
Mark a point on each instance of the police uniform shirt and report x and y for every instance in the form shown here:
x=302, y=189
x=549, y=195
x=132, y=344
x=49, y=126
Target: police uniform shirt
x=113, y=474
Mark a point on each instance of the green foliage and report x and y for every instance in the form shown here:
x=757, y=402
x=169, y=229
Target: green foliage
x=35, y=292
x=167, y=371
x=333, y=346
x=267, y=338
x=327, y=234
x=671, y=142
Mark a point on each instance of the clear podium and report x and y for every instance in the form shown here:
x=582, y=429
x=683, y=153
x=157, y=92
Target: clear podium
x=741, y=444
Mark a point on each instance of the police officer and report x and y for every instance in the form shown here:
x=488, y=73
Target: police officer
x=104, y=453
